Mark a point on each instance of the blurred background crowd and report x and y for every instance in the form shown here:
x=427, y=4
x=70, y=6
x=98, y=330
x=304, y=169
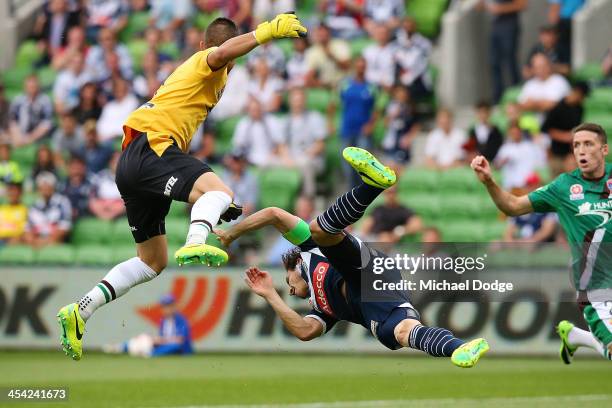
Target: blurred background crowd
x=365, y=76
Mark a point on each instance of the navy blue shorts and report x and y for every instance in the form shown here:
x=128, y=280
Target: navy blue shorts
x=352, y=258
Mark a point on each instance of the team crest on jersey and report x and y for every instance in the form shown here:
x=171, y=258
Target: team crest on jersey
x=576, y=192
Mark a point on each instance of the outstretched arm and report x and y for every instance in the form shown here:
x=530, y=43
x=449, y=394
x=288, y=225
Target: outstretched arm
x=282, y=26
x=277, y=217
x=508, y=203
x=304, y=328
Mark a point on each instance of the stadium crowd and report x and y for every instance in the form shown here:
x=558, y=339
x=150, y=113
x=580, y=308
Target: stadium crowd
x=109, y=56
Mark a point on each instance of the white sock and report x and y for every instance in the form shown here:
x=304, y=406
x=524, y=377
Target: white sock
x=582, y=338
x=115, y=284
x=205, y=215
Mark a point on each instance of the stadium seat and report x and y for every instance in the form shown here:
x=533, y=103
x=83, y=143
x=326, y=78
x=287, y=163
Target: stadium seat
x=601, y=118
x=176, y=230
x=358, y=45
x=427, y=14
x=486, y=208
x=91, y=230
x=137, y=50
x=225, y=132
x=61, y=254
x=46, y=77
x=599, y=101
x=122, y=253
x=286, y=45
x=307, y=8
x=25, y=156
x=425, y=205
x=492, y=230
x=28, y=54
x=137, y=24
x=179, y=210
x=278, y=187
x=459, y=179
x=13, y=78
x=589, y=73
x=170, y=49
x=461, y=231
x=202, y=20
x=418, y=179
x=16, y=255
x=454, y=206
x=318, y=99
x=511, y=95
x=93, y=255
x=120, y=233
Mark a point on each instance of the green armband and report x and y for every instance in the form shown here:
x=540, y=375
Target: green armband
x=298, y=234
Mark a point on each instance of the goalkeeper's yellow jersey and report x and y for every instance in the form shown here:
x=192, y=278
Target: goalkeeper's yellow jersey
x=179, y=106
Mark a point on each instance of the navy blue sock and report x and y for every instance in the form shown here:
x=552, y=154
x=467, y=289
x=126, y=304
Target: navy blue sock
x=435, y=341
x=348, y=208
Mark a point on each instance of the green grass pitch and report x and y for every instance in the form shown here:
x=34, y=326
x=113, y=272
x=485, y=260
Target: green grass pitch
x=302, y=381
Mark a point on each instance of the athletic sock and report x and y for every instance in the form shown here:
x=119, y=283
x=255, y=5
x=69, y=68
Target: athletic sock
x=582, y=338
x=348, y=208
x=116, y=283
x=435, y=341
x=205, y=214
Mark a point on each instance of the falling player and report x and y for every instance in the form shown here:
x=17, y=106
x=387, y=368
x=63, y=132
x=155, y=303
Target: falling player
x=576, y=197
x=327, y=266
x=155, y=169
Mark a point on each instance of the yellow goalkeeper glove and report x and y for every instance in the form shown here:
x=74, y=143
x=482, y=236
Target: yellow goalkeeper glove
x=282, y=26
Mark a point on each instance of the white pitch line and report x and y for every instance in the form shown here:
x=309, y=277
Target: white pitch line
x=421, y=402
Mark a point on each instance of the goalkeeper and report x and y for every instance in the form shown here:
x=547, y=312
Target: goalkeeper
x=155, y=169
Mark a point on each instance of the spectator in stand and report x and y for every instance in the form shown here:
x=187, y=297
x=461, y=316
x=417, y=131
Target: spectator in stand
x=560, y=13
x=542, y=92
x=242, y=181
x=606, y=68
x=153, y=37
x=115, y=112
x=380, y=58
x=259, y=135
x=152, y=76
x=5, y=108
x=75, y=44
x=548, y=44
x=67, y=139
x=412, y=58
x=533, y=227
x=358, y=98
x=559, y=123
x=484, y=137
x=391, y=221
x=305, y=132
x=96, y=155
x=203, y=143
x=239, y=11
x=50, y=218
x=343, y=17
x=327, y=59
x=111, y=15
x=13, y=215
x=44, y=162
x=193, y=36
x=402, y=126
x=304, y=209
x=105, y=201
x=504, y=41
x=233, y=102
x=100, y=61
x=31, y=114
x=387, y=12
x=444, y=147
x=267, y=9
x=52, y=25
x=89, y=107
x=9, y=169
x=68, y=84
x=265, y=86
x=272, y=54
x=77, y=187
x=297, y=70
x=170, y=16
x=518, y=158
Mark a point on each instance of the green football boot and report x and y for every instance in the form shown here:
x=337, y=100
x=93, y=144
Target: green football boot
x=372, y=171
x=566, y=351
x=468, y=354
x=72, y=327
x=202, y=254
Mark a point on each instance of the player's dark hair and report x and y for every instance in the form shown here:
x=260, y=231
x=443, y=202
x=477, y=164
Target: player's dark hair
x=592, y=127
x=583, y=87
x=219, y=31
x=291, y=257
